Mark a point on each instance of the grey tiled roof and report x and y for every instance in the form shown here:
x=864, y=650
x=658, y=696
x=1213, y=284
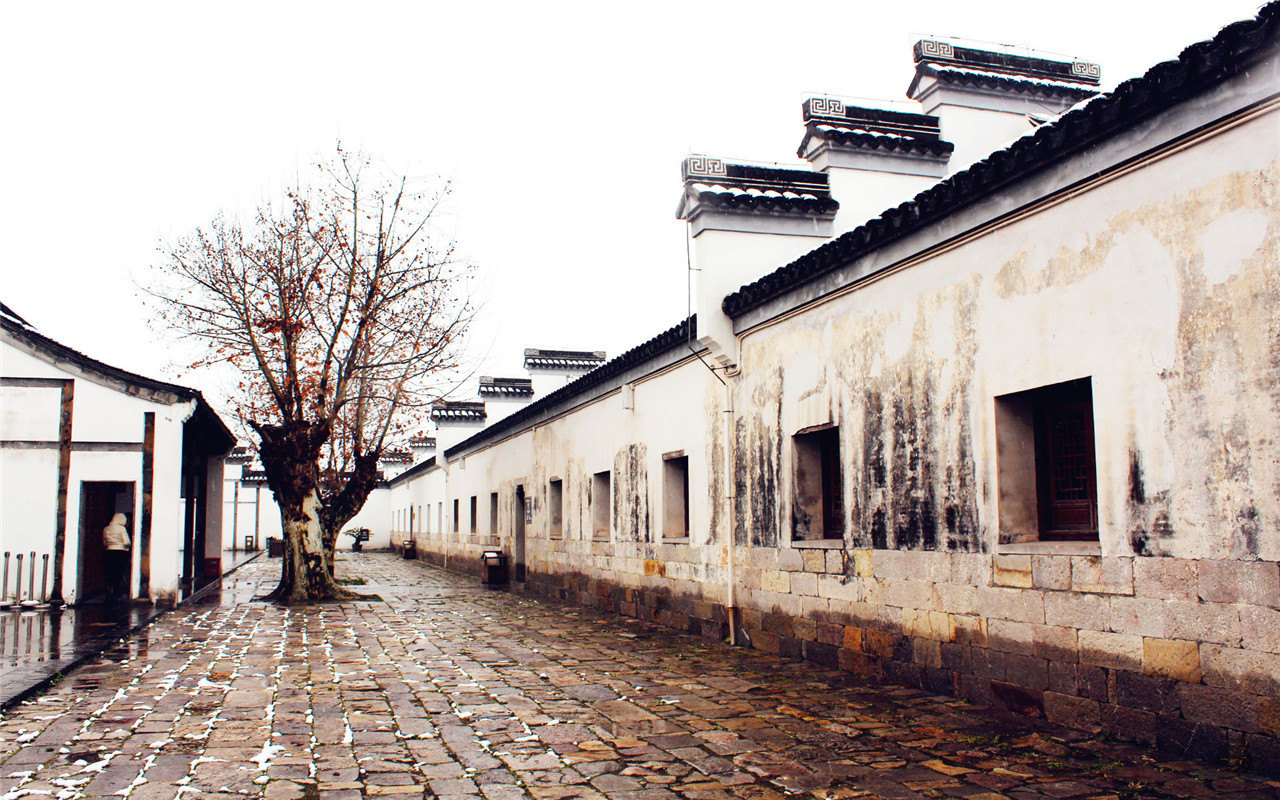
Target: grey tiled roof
x=446, y=411
x=535, y=358
x=505, y=387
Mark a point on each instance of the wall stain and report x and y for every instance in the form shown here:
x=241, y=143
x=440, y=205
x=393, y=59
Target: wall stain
x=758, y=458
x=631, y=493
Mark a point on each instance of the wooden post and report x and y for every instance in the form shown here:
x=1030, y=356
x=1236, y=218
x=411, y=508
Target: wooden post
x=148, y=486
x=64, y=478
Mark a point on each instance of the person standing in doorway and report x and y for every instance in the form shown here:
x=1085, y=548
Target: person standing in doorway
x=116, y=538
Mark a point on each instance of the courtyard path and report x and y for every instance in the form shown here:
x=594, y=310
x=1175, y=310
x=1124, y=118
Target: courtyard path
x=445, y=689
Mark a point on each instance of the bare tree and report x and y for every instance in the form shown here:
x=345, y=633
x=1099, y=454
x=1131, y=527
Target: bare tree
x=337, y=309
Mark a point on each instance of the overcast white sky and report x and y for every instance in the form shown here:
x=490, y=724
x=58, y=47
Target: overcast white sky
x=562, y=125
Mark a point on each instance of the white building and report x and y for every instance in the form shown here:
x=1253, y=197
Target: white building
x=993, y=409
x=81, y=440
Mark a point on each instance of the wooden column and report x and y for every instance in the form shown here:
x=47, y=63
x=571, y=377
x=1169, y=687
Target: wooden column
x=67, y=406
x=148, y=487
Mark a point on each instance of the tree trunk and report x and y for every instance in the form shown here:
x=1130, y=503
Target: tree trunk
x=348, y=497
x=290, y=454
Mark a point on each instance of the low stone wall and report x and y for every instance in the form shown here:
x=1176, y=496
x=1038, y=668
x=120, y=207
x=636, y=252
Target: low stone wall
x=1174, y=653
x=1183, y=655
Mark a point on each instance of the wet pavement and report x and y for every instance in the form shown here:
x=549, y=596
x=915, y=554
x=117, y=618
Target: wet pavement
x=444, y=689
x=37, y=644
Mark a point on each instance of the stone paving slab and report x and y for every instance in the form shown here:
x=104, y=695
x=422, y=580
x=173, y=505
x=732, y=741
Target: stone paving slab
x=447, y=690
x=37, y=645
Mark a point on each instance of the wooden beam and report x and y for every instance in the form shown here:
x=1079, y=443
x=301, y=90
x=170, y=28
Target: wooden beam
x=66, y=409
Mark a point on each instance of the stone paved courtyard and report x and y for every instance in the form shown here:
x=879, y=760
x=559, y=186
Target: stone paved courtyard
x=445, y=689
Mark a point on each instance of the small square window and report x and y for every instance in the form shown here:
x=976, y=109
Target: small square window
x=601, y=506
x=818, y=510
x=555, y=507
x=675, y=497
x=1045, y=464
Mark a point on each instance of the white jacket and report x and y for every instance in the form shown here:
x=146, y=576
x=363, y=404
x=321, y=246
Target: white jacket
x=116, y=536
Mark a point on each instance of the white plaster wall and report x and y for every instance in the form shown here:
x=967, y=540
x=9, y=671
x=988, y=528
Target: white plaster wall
x=864, y=194
x=1160, y=285
x=726, y=261
x=100, y=414
x=670, y=414
x=374, y=516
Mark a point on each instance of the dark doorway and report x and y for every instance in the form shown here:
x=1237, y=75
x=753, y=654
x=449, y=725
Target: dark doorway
x=99, y=501
x=517, y=541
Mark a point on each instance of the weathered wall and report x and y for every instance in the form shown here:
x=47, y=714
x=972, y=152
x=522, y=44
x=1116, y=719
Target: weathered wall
x=1162, y=286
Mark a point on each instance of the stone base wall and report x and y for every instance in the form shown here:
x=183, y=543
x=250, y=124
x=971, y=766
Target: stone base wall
x=1178, y=654
x=659, y=605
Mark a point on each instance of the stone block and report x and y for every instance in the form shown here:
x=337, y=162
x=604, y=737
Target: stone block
x=975, y=689
x=1144, y=616
x=969, y=569
x=830, y=634
x=804, y=583
x=863, y=566
x=859, y=663
x=1076, y=610
x=1260, y=629
x=969, y=630
x=1202, y=622
x=805, y=629
x=763, y=557
x=892, y=564
x=1074, y=712
x=1165, y=578
x=1056, y=643
x=1110, y=650
x=834, y=561
x=1051, y=572
x=791, y=647
x=837, y=588
x=927, y=653
x=1192, y=739
x=791, y=560
x=940, y=625
x=1223, y=708
x=852, y=638
x=878, y=643
x=772, y=580
x=915, y=623
x=954, y=598
x=1243, y=670
x=822, y=654
x=1263, y=752
x=765, y=642
x=1011, y=570
x=1146, y=692
x=1253, y=582
x=814, y=560
x=1027, y=671
x=988, y=663
x=1099, y=575
x=1130, y=723
x=1018, y=699
x=1269, y=716
x=1171, y=658
x=1019, y=605
x=1011, y=637
x=907, y=593
x=957, y=657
